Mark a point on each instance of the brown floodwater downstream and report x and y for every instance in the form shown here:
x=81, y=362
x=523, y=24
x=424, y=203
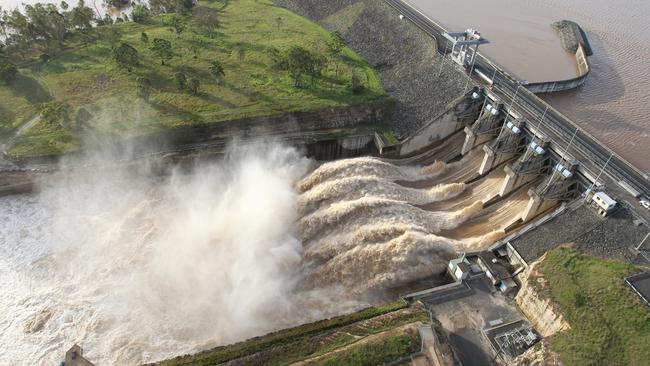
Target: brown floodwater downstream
x=613, y=104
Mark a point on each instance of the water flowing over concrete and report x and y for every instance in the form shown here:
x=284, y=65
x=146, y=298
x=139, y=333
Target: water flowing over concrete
x=138, y=268
x=613, y=104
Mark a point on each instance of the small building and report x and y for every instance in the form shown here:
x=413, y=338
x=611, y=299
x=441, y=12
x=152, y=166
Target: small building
x=603, y=203
x=74, y=357
x=495, y=271
x=459, y=268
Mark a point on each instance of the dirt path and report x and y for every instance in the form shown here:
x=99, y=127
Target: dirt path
x=368, y=339
x=5, y=146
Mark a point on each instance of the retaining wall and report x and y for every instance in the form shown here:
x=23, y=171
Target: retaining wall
x=555, y=86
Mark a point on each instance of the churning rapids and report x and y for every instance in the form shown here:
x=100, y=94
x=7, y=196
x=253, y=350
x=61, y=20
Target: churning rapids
x=138, y=269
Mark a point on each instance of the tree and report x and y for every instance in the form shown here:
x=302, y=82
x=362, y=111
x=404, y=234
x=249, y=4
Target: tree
x=8, y=72
x=44, y=58
x=194, y=84
x=126, y=56
x=300, y=61
x=144, y=87
x=116, y=3
x=217, y=70
x=81, y=16
x=107, y=20
x=140, y=13
x=144, y=38
x=82, y=117
x=54, y=112
x=335, y=46
x=45, y=24
x=181, y=80
x=163, y=49
x=177, y=24
x=356, y=86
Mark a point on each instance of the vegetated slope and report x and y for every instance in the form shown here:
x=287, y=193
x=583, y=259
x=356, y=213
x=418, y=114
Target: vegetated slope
x=609, y=323
x=85, y=93
x=377, y=335
x=406, y=57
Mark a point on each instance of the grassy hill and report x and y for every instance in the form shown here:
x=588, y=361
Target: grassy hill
x=373, y=336
x=92, y=99
x=609, y=323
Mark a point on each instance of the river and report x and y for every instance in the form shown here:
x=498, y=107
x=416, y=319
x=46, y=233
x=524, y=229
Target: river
x=613, y=103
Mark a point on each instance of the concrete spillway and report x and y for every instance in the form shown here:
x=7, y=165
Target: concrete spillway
x=377, y=223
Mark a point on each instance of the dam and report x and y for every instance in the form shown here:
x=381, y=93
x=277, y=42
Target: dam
x=268, y=238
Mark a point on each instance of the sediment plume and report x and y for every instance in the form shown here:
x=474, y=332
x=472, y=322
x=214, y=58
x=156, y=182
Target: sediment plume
x=367, y=166
x=479, y=242
x=349, y=215
x=408, y=257
x=434, y=168
x=351, y=188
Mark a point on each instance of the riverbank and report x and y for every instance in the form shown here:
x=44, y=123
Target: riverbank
x=372, y=336
x=87, y=98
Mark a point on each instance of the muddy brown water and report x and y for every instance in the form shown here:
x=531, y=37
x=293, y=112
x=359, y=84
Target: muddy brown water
x=613, y=104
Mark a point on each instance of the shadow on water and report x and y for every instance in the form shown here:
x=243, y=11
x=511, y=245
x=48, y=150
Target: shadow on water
x=603, y=75
x=30, y=89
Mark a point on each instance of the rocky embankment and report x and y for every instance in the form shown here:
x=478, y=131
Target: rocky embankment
x=534, y=302
x=572, y=36
x=544, y=315
x=405, y=56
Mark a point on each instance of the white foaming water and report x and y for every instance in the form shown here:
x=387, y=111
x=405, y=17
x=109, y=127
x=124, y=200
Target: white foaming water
x=136, y=270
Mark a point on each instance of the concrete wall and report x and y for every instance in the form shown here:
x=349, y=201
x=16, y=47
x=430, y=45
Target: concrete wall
x=457, y=115
x=315, y=125
x=555, y=86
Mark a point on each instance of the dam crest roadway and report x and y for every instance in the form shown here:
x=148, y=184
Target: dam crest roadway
x=515, y=128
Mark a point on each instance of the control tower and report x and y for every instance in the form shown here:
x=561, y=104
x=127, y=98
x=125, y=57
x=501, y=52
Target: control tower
x=465, y=46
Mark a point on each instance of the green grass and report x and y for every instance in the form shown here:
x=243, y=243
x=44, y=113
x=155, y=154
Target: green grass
x=609, y=323
x=375, y=353
x=308, y=340
x=84, y=75
x=390, y=138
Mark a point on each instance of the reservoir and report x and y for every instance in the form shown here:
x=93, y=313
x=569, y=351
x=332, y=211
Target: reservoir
x=613, y=104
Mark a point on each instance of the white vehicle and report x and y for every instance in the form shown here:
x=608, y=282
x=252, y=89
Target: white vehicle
x=645, y=203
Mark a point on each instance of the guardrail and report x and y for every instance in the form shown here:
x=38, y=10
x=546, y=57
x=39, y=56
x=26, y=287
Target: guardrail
x=508, y=86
